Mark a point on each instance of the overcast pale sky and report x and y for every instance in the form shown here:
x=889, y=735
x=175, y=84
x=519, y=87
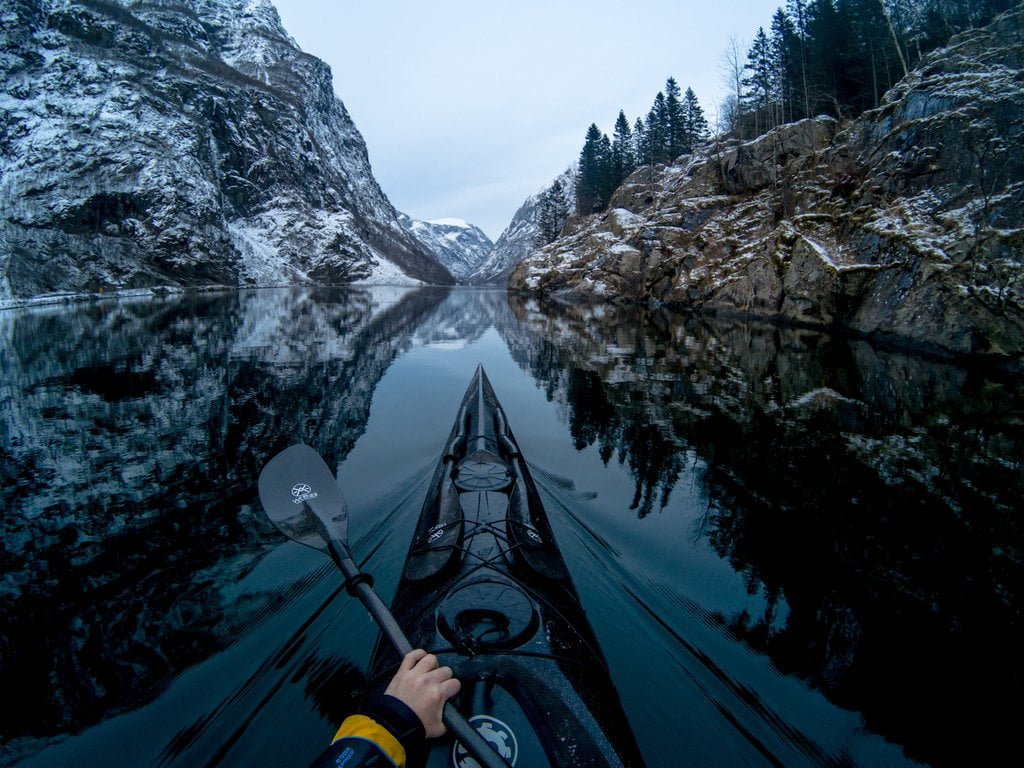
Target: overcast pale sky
x=470, y=106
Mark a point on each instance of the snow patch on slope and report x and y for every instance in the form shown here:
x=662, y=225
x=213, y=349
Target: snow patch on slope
x=386, y=273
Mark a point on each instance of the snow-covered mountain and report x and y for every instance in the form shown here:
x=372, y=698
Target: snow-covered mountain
x=181, y=143
x=521, y=235
x=456, y=244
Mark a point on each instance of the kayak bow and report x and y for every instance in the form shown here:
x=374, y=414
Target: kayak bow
x=485, y=588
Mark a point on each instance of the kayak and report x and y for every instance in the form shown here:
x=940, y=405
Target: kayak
x=485, y=588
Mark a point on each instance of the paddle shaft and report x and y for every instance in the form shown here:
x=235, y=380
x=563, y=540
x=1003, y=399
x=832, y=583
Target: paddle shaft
x=453, y=719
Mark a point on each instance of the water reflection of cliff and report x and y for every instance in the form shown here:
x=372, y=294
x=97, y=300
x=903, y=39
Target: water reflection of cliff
x=464, y=316
x=874, y=495
x=131, y=436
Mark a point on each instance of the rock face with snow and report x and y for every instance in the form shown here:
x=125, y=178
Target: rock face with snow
x=906, y=223
x=458, y=246
x=181, y=143
x=521, y=235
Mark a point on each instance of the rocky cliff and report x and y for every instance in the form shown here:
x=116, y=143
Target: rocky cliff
x=181, y=143
x=521, y=235
x=905, y=223
x=459, y=246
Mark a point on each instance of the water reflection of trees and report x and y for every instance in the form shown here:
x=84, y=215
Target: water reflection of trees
x=623, y=433
x=872, y=497
x=619, y=428
x=132, y=437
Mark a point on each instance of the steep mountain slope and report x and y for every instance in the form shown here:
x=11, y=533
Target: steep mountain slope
x=521, y=235
x=458, y=246
x=181, y=143
x=905, y=223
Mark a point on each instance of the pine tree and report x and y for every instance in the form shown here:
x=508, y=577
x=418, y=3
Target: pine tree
x=559, y=208
x=696, y=123
x=595, y=180
x=785, y=64
x=553, y=212
x=872, y=62
x=640, y=143
x=675, y=128
x=623, y=150
x=586, y=176
x=798, y=13
x=657, y=131
x=852, y=89
x=759, y=81
x=824, y=56
x=607, y=183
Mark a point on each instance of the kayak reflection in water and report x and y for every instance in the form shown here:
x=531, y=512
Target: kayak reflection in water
x=393, y=729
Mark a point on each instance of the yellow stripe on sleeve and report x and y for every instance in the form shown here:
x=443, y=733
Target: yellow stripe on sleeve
x=363, y=727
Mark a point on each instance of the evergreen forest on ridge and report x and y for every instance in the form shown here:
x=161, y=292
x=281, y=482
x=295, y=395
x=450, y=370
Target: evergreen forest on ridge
x=819, y=57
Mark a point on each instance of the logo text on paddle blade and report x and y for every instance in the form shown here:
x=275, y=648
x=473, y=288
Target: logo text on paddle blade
x=302, y=492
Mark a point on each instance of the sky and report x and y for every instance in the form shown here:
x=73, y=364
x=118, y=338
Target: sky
x=469, y=107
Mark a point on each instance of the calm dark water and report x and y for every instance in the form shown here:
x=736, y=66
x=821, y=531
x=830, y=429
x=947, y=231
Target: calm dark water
x=794, y=549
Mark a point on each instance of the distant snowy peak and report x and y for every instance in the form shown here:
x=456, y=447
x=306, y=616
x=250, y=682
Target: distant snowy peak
x=459, y=223
x=456, y=244
x=522, y=235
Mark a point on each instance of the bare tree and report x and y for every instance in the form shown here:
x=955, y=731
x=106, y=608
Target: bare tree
x=895, y=39
x=731, y=66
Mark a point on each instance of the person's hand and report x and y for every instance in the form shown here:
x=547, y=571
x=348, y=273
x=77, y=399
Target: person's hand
x=424, y=687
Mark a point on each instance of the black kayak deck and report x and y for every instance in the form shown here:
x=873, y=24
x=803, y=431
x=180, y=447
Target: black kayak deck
x=486, y=589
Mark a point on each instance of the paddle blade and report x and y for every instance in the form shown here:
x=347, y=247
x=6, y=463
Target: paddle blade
x=302, y=498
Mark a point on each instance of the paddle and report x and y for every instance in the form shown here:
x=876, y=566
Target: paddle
x=302, y=498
